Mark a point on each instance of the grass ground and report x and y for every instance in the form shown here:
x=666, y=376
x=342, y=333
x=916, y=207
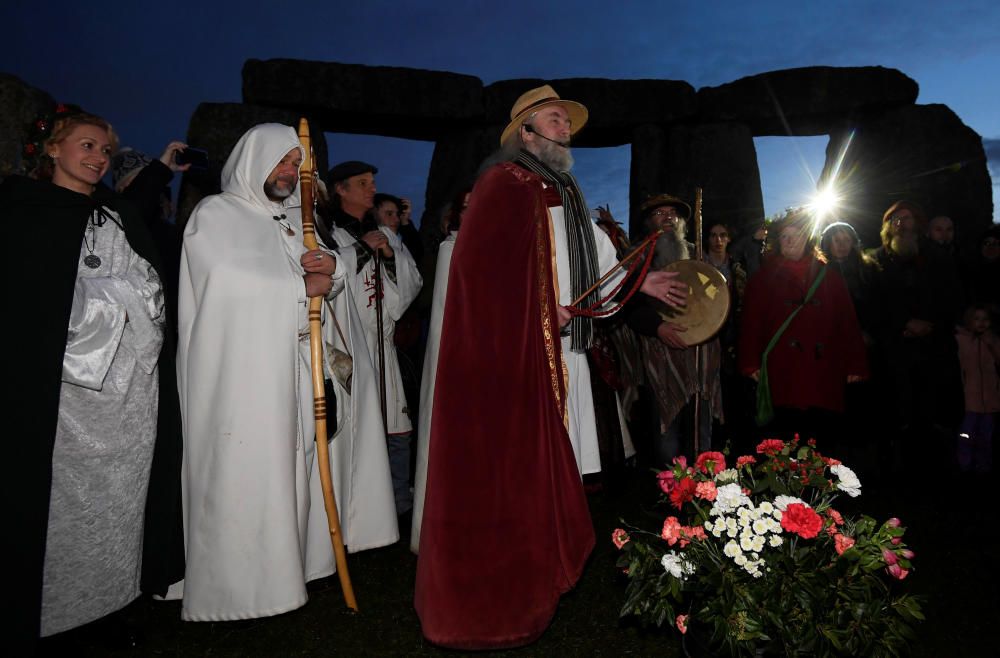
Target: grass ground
x=950, y=528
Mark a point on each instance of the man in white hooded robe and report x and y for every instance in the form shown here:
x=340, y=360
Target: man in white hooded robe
x=255, y=526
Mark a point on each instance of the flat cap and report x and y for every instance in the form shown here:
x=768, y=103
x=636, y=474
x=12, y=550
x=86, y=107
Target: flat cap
x=345, y=170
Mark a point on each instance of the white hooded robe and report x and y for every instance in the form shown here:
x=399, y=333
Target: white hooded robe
x=255, y=528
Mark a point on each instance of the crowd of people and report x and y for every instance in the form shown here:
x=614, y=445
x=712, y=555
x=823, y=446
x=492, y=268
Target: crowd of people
x=167, y=437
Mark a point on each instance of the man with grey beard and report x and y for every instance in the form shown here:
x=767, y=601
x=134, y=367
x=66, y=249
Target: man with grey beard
x=513, y=416
x=671, y=370
x=920, y=299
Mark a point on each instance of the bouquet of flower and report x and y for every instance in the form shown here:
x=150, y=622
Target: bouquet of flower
x=757, y=558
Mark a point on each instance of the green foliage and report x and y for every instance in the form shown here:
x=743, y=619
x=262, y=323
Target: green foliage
x=808, y=600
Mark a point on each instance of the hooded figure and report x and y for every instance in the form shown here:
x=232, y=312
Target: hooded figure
x=255, y=526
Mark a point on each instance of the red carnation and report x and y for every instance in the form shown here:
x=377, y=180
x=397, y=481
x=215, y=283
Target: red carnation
x=745, y=459
x=683, y=492
x=802, y=520
x=770, y=447
x=717, y=459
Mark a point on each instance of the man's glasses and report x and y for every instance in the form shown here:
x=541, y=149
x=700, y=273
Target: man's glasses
x=668, y=213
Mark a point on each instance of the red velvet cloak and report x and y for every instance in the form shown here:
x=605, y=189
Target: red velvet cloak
x=506, y=528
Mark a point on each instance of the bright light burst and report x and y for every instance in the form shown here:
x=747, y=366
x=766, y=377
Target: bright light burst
x=825, y=203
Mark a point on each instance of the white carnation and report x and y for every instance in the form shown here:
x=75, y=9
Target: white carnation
x=848, y=481
x=672, y=564
x=726, y=475
x=730, y=497
x=782, y=502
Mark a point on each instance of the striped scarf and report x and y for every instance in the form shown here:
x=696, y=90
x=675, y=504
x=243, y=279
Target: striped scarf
x=583, y=265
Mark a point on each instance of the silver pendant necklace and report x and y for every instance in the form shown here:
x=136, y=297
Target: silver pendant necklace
x=91, y=260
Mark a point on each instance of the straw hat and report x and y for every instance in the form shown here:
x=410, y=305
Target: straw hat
x=534, y=100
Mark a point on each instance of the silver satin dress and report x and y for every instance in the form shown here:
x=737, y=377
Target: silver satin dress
x=105, y=434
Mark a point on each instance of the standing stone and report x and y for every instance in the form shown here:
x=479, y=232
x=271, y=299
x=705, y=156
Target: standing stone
x=377, y=100
x=20, y=104
x=720, y=158
x=805, y=101
x=923, y=153
x=616, y=107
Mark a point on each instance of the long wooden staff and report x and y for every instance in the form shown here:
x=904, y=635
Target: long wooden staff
x=698, y=352
x=306, y=176
x=607, y=275
x=377, y=261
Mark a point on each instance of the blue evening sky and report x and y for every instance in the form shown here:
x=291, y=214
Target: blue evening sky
x=146, y=67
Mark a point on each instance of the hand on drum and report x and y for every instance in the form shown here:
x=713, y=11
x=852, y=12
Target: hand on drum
x=666, y=287
x=669, y=335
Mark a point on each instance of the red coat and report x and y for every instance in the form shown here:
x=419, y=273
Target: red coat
x=820, y=348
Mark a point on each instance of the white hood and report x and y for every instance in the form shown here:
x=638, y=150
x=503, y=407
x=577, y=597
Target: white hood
x=253, y=159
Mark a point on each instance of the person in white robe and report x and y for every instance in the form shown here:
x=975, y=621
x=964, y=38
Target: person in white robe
x=445, y=250
x=401, y=282
x=255, y=526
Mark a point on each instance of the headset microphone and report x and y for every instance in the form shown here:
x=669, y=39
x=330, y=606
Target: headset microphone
x=531, y=129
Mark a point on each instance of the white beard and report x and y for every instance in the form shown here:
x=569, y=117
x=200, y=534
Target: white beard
x=670, y=248
x=553, y=155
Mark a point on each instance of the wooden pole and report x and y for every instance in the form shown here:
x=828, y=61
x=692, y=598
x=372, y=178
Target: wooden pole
x=306, y=176
x=698, y=388
x=377, y=260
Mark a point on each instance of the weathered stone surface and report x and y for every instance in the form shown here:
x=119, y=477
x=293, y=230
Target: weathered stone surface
x=216, y=127
x=719, y=158
x=923, y=153
x=811, y=100
x=374, y=100
x=20, y=104
x=616, y=106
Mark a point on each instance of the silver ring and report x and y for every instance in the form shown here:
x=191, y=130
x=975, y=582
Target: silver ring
x=319, y=256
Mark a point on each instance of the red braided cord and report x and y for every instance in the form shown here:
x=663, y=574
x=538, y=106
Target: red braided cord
x=591, y=313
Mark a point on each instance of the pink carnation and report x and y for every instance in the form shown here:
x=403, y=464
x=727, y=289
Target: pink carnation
x=682, y=623
x=841, y=543
x=745, y=459
x=897, y=571
x=835, y=515
x=671, y=530
x=619, y=537
x=689, y=533
x=666, y=480
x=706, y=490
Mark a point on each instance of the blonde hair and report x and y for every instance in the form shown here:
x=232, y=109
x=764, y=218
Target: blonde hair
x=62, y=129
